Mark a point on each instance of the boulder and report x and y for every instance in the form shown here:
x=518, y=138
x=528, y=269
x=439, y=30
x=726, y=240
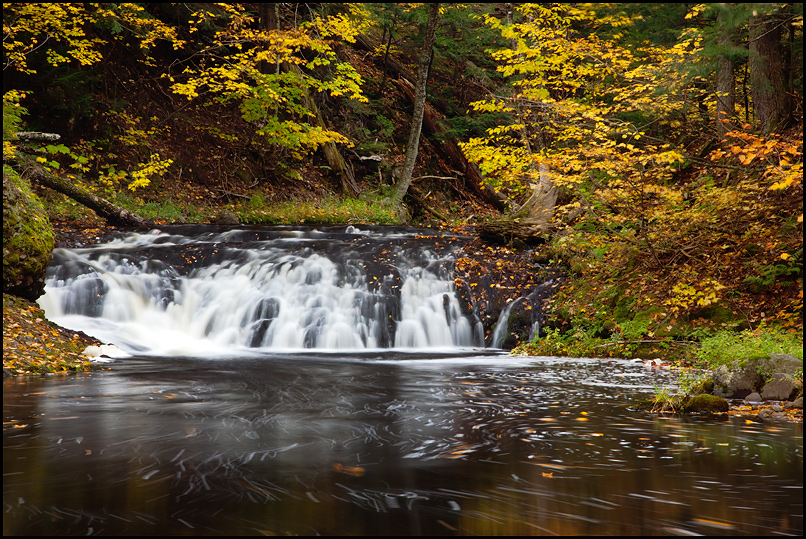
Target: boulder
x=737, y=381
x=781, y=363
x=779, y=388
x=227, y=218
x=743, y=378
x=27, y=238
x=796, y=404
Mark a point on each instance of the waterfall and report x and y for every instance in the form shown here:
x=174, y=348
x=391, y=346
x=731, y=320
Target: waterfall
x=531, y=303
x=502, y=325
x=205, y=290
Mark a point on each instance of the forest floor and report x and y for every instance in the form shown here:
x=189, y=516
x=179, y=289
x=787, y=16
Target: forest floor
x=32, y=344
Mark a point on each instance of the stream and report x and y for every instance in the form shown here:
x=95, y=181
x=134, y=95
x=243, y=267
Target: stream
x=327, y=381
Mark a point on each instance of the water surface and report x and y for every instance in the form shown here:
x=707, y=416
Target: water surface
x=392, y=443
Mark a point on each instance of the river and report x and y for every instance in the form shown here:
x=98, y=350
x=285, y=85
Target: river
x=345, y=423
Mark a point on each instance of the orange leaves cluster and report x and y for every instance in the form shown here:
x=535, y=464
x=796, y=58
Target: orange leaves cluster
x=781, y=160
x=33, y=345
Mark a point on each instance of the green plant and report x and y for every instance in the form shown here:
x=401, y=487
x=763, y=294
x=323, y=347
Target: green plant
x=725, y=346
x=366, y=209
x=768, y=275
x=690, y=383
x=665, y=400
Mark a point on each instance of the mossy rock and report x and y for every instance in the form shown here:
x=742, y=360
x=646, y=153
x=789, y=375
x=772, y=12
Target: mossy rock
x=27, y=238
x=706, y=403
x=644, y=404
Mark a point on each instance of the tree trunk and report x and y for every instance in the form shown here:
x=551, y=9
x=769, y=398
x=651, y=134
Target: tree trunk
x=725, y=83
x=432, y=123
x=767, y=73
x=269, y=20
x=539, y=208
x=531, y=221
x=419, y=104
x=114, y=215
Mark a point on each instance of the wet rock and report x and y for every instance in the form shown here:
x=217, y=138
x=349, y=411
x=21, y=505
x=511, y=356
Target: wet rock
x=737, y=381
x=226, y=217
x=765, y=413
x=795, y=404
x=780, y=387
x=753, y=397
x=706, y=403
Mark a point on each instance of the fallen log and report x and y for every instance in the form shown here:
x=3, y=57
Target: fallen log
x=509, y=230
x=114, y=215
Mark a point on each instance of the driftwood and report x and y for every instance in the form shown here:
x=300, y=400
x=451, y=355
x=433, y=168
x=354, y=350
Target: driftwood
x=509, y=231
x=36, y=135
x=114, y=215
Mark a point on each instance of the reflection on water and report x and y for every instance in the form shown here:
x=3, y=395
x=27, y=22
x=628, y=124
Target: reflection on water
x=403, y=443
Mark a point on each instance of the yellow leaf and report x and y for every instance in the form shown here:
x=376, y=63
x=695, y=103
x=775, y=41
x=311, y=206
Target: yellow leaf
x=785, y=256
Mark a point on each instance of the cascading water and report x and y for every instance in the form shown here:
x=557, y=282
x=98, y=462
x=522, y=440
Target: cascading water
x=189, y=291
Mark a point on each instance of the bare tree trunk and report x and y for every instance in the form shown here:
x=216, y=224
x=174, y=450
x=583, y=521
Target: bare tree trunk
x=725, y=84
x=419, y=104
x=767, y=73
x=269, y=21
x=539, y=208
x=432, y=120
x=114, y=215
x=531, y=221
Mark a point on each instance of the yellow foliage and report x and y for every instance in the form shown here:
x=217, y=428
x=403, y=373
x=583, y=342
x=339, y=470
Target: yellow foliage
x=28, y=27
x=692, y=290
x=264, y=95
x=155, y=166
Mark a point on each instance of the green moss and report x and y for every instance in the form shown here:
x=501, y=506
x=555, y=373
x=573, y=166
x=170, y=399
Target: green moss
x=705, y=403
x=27, y=237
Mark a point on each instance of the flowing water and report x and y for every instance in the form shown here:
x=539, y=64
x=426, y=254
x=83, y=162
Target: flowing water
x=327, y=381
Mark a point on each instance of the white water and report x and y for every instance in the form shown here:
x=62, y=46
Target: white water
x=291, y=291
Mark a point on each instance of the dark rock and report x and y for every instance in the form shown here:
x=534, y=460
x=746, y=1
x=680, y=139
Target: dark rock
x=753, y=397
x=706, y=403
x=27, y=238
x=780, y=388
x=737, y=381
x=797, y=403
x=226, y=217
